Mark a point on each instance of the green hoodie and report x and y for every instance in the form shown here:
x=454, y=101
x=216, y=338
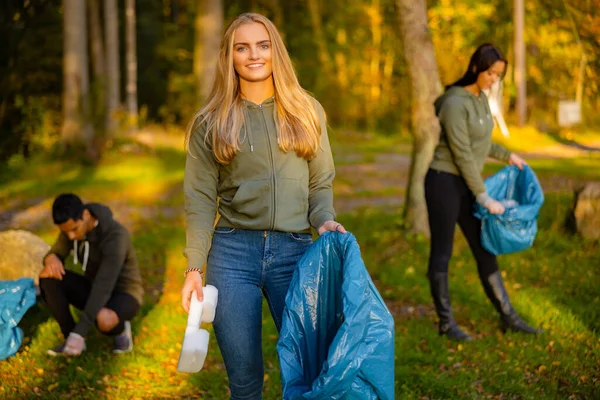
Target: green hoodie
x=262, y=188
x=466, y=138
x=110, y=264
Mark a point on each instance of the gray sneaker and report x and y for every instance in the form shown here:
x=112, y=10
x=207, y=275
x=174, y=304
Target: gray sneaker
x=124, y=341
x=60, y=349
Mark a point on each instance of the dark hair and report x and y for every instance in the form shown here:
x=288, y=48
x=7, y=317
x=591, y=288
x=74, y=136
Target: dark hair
x=484, y=57
x=65, y=207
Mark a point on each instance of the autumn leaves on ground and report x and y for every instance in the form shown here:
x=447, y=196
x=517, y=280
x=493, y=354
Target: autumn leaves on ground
x=554, y=285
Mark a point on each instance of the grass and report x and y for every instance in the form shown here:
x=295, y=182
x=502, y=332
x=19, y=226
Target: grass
x=553, y=285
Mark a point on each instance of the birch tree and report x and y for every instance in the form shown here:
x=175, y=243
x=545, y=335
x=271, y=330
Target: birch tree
x=131, y=59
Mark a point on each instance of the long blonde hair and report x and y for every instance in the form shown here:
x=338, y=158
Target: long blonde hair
x=297, y=117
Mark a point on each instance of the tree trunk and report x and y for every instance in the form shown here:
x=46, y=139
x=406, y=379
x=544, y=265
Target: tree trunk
x=376, y=20
x=277, y=11
x=98, y=83
x=426, y=87
x=208, y=26
x=113, y=77
x=77, y=131
x=96, y=42
x=319, y=35
x=131, y=58
x=520, y=80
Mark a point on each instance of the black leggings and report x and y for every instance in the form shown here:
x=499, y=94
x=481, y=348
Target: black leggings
x=450, y=201
x=74, y=289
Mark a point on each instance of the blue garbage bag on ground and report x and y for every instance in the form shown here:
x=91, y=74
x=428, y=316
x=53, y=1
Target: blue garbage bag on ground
x=522, y=196
x=16, y=297
x=337, y=336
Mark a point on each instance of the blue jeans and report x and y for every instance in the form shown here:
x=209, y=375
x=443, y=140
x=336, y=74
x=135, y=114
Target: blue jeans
x=243, y=265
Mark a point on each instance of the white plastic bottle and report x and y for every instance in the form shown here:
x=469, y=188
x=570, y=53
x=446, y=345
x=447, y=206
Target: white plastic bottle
x=209, y=304
x=195, y=341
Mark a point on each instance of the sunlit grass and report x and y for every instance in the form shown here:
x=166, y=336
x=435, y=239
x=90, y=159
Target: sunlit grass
x=530, y=139
x=553, y=285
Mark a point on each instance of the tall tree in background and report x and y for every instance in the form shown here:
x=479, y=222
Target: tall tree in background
x=426, y=87
x=131, y=59
x=316, y=20
x=113, y=76
x=520, y=80
x=77, y=131
x=207, y=25
x=96, y=41
x=98, y=83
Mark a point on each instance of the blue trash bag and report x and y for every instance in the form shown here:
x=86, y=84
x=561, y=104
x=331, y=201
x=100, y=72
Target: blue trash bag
x=522, y=196
x=16, y=297
x=337, y=336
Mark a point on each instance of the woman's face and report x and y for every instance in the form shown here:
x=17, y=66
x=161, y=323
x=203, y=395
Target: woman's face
x=486, y=79
x=252, y=53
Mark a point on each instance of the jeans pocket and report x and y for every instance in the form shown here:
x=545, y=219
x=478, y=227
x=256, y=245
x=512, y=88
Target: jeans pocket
x=301, y=237
x=224, y=231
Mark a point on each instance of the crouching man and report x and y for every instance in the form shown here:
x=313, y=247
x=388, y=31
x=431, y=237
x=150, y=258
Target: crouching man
x=110, y=290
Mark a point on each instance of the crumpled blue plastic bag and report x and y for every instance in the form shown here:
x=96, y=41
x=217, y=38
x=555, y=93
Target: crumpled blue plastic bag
x=16, y=297
x=522, y=195
x=337, y=336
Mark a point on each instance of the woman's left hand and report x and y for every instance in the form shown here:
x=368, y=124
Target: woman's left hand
x=516, y=160
x=332, y=226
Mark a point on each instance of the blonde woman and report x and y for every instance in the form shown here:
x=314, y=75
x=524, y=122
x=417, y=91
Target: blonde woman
x=260, y=146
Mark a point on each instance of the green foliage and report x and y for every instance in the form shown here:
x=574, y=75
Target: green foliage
x=30, y=75
x=348, y=54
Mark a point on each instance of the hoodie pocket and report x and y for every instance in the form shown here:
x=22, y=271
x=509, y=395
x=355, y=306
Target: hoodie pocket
x=251, y=201
x=292, y=202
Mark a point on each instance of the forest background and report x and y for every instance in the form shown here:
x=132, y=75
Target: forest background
x=94, y=99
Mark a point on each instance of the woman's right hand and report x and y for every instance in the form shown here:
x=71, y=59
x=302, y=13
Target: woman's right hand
x=494, y=207
x=193, y=281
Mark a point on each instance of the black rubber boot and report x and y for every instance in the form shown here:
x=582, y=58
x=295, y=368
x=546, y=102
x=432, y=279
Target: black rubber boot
x=438, y=282
x=496, y=292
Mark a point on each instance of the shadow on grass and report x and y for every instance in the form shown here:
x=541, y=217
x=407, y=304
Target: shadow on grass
x=571, y=143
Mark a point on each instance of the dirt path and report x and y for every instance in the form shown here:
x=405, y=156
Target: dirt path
x=358, y=185
x=390, y=171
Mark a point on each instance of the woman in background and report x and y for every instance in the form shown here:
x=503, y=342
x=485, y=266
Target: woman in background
x=454, y=182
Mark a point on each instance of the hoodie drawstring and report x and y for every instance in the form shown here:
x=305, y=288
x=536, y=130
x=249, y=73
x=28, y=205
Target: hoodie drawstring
x=86, y=253
x=276, y=122
x=246, y=133
x=86, y=250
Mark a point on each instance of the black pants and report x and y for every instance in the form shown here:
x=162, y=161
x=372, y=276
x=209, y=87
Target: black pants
x=74, y=289
x=449, y=201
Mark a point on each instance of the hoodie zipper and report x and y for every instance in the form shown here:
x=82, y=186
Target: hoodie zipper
x=273, y=180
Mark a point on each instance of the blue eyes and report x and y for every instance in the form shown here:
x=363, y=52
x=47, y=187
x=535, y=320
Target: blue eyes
x=242, y=48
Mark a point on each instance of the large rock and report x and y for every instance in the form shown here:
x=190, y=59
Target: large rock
x=21, y=254
x=587, y=211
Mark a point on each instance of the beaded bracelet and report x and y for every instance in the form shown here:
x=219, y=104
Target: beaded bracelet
x=193, y=269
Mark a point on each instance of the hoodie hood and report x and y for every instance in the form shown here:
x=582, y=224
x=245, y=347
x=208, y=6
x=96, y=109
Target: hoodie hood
x=101, y=212
x=456, y=91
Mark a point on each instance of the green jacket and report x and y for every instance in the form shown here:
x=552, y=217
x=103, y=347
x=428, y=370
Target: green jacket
x=262, y=188
x=466, y=138
x=111, y=263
